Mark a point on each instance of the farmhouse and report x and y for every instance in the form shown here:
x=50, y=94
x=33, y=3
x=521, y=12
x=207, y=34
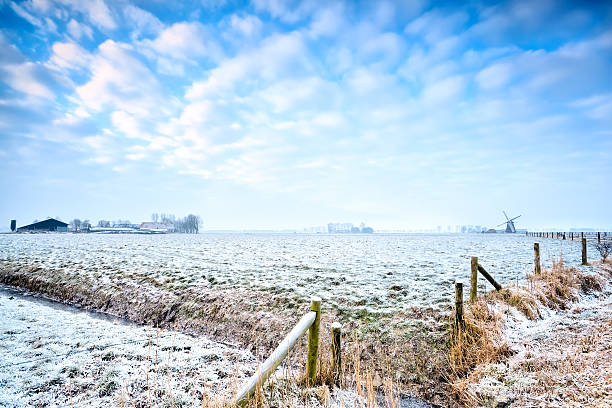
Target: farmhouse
x=50, y=224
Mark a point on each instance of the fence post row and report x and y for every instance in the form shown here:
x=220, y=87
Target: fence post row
x=310, y=321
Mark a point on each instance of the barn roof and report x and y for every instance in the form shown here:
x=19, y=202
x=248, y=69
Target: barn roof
x=45, y=223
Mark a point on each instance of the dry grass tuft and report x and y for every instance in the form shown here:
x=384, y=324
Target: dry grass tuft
x=521, y=300
x=478, y=341
x=559, y=286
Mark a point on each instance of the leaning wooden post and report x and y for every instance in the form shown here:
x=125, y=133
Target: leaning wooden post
x=489, y=277
x=458, y=306
x=273, y=361
x=473, y=278
x=313, y=342
x=584, y=252
x=336, y=342
x=536, y=254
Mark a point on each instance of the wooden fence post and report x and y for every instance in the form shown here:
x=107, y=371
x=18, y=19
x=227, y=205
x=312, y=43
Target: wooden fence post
x=599, y=237
x=536, y=251
x=473, y=278
x=564, y=236
x=584, y=252
x=336, y=335
x=313, y=342
x=458, y=306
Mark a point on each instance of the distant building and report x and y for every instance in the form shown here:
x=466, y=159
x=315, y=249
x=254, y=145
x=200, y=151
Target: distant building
x=157, y=226
x=347, y=227
x=339, y=228
x=50, y=224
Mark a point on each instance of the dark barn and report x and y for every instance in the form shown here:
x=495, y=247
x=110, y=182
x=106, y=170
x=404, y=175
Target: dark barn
x=50, y=224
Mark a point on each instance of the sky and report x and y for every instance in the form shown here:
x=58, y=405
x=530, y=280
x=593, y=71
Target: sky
x=284, y=114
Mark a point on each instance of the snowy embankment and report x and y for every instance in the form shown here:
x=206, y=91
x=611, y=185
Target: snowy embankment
x=561, y=358
x=54, y=355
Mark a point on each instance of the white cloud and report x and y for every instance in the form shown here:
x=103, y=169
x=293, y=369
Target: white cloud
x=21, y=12
x=69, y=55
x=97, y=12
x=445, y=90
x=129, y=125
x=300, y=94
x=120, y=81
x=185, y=41
x=141, y=21
x=78, y=30
x=494, y=76
x=328, y=21
x=278, y=56
x=287, y=11
x=434, y=25
x=28, y=78
x=248, y=26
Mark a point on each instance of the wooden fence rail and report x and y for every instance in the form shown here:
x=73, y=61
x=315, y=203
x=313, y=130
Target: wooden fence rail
x=310, y=321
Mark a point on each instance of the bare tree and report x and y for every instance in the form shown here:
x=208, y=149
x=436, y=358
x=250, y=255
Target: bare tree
x=103, y=224
x=76, y=224
x=604, y=248
x=154, y=217
x=192, y=224
x=86, y=225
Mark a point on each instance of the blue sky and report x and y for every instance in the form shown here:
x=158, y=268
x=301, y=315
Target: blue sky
x=273, y=114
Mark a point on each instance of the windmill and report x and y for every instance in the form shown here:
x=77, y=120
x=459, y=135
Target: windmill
x=509, y=223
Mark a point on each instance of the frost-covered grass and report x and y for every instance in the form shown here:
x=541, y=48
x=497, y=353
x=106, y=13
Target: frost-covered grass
x=383, y=273
x=543, y=344
x=392, y=293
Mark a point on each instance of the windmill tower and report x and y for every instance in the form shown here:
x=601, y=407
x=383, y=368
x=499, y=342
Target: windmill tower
x=509, y=224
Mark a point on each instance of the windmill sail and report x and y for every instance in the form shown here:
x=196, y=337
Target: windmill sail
x=509, y=223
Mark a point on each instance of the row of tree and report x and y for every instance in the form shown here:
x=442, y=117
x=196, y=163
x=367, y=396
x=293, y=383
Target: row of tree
x=189, y=224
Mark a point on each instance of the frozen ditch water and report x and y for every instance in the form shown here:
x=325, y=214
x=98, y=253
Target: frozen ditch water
x=51, y=355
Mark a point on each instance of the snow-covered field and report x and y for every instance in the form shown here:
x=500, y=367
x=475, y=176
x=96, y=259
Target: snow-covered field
x=53, y=355
x=385, y=273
